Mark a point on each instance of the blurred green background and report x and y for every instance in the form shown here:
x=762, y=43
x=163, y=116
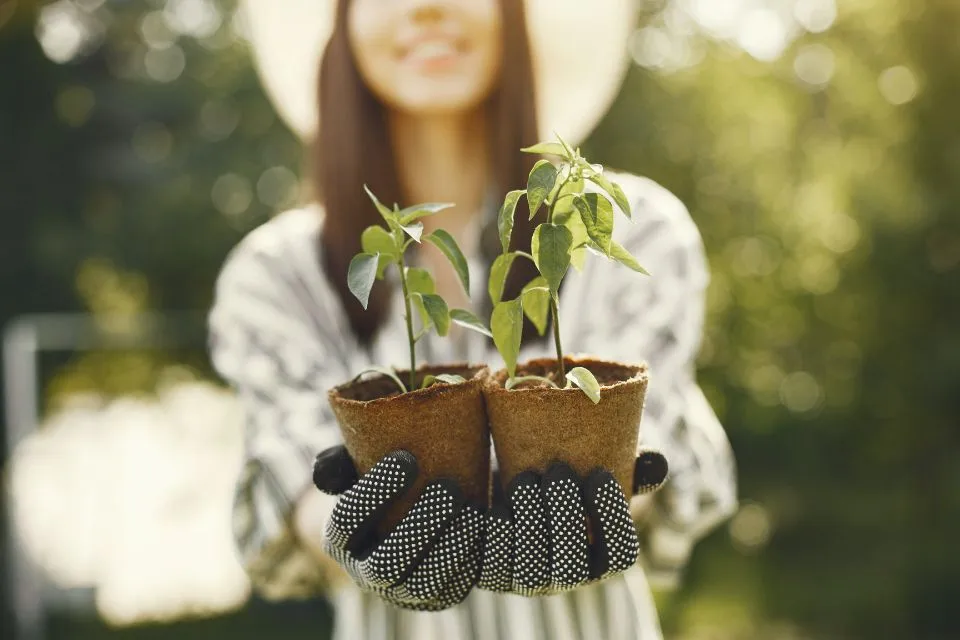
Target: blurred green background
x=817, y=145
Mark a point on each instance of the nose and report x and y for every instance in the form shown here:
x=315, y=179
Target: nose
x=426, y=11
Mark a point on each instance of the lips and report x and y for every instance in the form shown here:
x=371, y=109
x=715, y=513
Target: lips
x=432, y=50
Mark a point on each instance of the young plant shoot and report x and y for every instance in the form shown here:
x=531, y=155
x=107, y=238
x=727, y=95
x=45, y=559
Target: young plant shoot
x=575, y=221
x=386, y=246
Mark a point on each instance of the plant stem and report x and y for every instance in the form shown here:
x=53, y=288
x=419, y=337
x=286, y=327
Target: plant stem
x=526, y=255
x=557, y=198
x=555, y=311
x=553, y=303
x=512, y=382
x=409, y=319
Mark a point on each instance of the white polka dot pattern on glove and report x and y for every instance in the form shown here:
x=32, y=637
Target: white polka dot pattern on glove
x=430, y=560
x=566, y=528
x=455, y=553
x=616, y=535
x=357, y=510
x=538, y=541
x=531, y=574
x=393, y=560
x=496, y=571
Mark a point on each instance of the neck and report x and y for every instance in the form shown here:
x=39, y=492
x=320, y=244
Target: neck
x=442, y=159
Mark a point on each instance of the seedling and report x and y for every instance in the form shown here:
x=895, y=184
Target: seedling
x=576, y=221
x=384, y=247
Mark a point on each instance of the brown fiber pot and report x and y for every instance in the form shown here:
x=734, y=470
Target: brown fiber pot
x=533, y=426
x=444, y=426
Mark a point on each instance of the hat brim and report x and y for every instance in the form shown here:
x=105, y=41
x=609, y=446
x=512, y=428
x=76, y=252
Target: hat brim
x=579, y=56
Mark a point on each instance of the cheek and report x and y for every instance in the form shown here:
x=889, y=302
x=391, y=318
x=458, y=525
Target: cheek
x=486, y=34
x=489, y=43
x=369, y=34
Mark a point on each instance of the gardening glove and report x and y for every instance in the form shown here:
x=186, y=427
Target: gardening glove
x=558, y=531
x=429, y=561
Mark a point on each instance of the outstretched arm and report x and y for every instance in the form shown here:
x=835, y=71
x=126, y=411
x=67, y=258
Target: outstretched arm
x=281, y=353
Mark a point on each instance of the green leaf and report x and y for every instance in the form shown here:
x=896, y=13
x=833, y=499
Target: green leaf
x=466, y=319
x=564, y=199
x=569, y=153
x=420, y=281
x=445, y=242
x=498, y=275
x=437, y=310
x=506, y=324
x=361, y=275
x=614, y=191
x=578, y=252
x=578, y=257
x=390, y=373
x=540, y=183
x=597, y=215
x=505, y=219
x=588, y=169
x=551, y=148
x=586, y=381
x=376, y=239
x=417, y=301
x=536, y=303
x=417, y=211
x=387, y=214
x=621, y=255
x=414, y=230
x=449, y=378
x=551, y=251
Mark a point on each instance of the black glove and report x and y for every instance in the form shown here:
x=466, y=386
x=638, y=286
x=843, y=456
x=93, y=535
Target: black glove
x=429, y=561
x=560, y=531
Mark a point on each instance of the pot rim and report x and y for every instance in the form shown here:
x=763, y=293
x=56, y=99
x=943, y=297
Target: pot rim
x=478, y=379
x=640, y=374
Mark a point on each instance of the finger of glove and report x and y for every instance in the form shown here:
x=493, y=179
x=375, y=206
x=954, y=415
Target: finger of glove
x=531, y=557
x=395, y=558
x=615, y=545
x=406, y=601
x=496, y=570
x=346, y=560
x=358, y=510
x=334, y=471
x=459, y=587
x=455, y=556
x=566, y=527
x=650, y=472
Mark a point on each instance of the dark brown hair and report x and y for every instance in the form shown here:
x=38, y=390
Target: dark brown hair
x=353, y=148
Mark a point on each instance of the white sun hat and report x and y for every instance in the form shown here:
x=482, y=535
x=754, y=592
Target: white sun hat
x=579, y=52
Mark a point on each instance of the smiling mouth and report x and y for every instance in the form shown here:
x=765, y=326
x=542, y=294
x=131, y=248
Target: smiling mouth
x=434, y=51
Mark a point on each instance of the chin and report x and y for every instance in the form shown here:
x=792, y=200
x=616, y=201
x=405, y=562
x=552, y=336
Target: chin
x=439, y=99
x=438, y=106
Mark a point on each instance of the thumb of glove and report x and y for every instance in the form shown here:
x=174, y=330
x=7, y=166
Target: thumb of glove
x=650, y=471
x=334, y=471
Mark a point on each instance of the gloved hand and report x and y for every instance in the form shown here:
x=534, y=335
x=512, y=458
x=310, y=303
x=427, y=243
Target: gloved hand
x=560, y=531
x=429, y=561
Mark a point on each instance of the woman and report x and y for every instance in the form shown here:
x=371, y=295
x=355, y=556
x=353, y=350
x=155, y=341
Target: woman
x=431, y=100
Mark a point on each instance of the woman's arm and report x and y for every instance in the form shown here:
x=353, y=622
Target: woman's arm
x=659, y=320
x=270, y=340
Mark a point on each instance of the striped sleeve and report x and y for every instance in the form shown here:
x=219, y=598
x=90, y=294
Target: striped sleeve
x=269, y=344
x=659, y=320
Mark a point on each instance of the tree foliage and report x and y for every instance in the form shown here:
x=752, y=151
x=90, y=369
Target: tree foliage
x=824, y=182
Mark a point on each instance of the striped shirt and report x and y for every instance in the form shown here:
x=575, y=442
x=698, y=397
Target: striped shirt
x=279, y=335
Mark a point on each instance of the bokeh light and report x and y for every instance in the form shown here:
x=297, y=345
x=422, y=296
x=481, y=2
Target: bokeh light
x=898, y=85
x=815, y=144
